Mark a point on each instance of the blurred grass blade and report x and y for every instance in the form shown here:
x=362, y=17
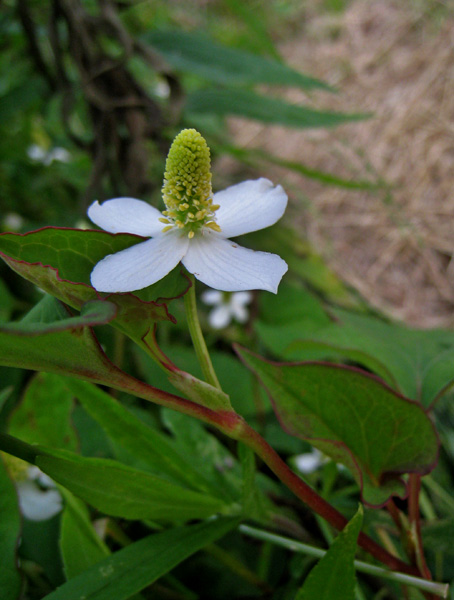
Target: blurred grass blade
x=260, y=37
x=245, y=103
x=196, y=54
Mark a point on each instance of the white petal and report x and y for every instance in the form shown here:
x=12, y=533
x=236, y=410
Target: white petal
x=226, y=266
x=220, y=317
x=141, y=265
x=37, y=504
x=241, y=298
x=126, y=215
x=212, y=297
x=239, y=312
x=249, y=206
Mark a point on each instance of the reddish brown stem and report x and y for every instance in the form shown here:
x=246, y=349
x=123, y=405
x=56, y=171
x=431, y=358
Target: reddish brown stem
x=250, y=437
x=415, y=524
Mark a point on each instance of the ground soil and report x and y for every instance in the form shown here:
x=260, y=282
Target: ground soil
x=395, y=59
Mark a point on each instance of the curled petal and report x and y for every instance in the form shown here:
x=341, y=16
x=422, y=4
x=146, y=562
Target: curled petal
x=141, y=265
x=126, y=215
x=226, y=266
x=249, y=206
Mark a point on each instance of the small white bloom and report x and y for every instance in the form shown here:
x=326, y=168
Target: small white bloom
x=227, y=307
x=12, y=221
x=39, y=500
x=46, y=157
x=194, y=228
x=310, y=461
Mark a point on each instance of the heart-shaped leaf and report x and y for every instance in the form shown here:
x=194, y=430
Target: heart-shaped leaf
x=60, y=261
x=353, y=418
x=418, y=363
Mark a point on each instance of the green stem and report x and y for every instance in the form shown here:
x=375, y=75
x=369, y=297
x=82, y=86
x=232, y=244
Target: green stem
x=439, y=589
x=198, y=341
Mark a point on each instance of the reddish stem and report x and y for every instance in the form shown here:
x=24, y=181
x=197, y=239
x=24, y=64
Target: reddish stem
x=305, y=493
x=415, y=524
x=235, y=427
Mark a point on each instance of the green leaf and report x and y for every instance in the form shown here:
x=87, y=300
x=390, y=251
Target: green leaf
x=353, y=418
x=60, y=262
x=196, y=54
x=6, y=302
x=80, y=545
x=417, y=362
x=43, y=416
x=246, y=103
x=122, y=491
x=334, y=575
x=67, y=345
x=438, y=536
x=10, y=529
x=207, y=455
x=137, y=566
x=149, y=447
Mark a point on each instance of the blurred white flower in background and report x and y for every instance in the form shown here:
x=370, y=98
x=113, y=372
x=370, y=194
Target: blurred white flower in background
x=310, y=461
x=47, y=157
x=228, y=307
x=39, y=499
x=12, y=222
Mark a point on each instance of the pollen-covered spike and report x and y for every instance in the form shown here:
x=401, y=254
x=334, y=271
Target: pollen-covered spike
x=188, y=167
x=187, y=189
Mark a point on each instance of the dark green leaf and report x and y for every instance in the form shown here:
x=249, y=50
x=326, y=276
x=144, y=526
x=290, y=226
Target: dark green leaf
x=60, y=262
x=137, y=566
x=196, y=54
x=334, y=576
x=67, y=345
x=353, y=418
x=80, y=545
x=438, y=536
x=147, y=445
x=208, y=456
x=122, y=491
x=416, y=362
x=245, y=103
x=43, y=416
x=10, y=527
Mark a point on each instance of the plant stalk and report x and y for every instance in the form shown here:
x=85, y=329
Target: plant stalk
x=198, y=340
x=439, y=589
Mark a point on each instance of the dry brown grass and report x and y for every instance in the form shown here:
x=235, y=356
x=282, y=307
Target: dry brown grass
x=389, y=58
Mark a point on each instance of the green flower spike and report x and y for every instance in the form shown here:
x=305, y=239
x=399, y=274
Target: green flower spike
x=187, y=189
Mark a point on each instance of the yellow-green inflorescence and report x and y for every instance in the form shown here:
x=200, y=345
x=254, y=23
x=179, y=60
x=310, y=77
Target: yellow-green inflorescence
x=187, y=189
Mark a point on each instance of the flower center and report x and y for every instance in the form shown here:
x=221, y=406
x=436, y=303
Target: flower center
x=187, y=189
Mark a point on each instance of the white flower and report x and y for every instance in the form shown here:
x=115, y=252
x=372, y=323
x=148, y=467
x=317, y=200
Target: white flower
x=310, y=461
x=194, y=228
x=46, y=157
x=227, y=307
x=12, y=221
x=38, y=498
